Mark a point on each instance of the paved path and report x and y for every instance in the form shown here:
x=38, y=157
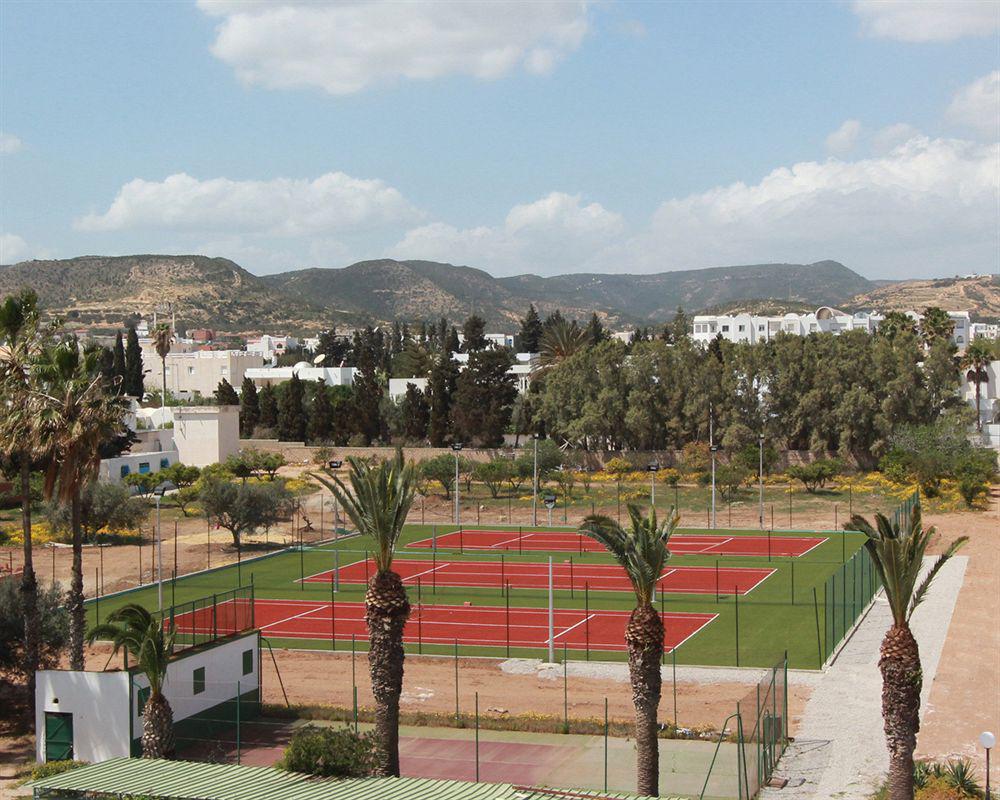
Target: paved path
x=840, y=749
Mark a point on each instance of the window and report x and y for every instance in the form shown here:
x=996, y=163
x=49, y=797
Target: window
x=198, y=681
x=167, y=370
x=142, y=699
x=123, y=470
x=164, y=463
x=760, y=328
x=143, y=467
x=725, y=329
x=742, y=328
x=225, y=370
x=190, y=370
x=247, y=662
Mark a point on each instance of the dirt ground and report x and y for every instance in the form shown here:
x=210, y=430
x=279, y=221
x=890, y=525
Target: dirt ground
x=965, y=697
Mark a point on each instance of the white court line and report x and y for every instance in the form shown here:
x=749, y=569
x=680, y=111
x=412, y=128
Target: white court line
x=702, y=627
x=822, y=540
x=327, y=571
x=295, y=616
x=427, y=571
x=571, y=627
x=769, y=574
x=520, y=538
x=718, y=544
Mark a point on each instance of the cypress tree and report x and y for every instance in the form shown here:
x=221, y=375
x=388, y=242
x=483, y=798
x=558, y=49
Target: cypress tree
x=474, y=330
x=442, y=387
x=118, y=359
x=249, y=408
x=320, y=414
x=452, y=344
x=415, y=413
x=292, y=412
x=225, y=394
x=268, y=402
x=133, y=365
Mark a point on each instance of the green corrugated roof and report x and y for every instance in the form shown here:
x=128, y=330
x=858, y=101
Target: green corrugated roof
x=187, y=780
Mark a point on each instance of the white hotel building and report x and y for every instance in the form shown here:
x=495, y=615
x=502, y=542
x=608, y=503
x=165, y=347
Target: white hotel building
x=751, y=328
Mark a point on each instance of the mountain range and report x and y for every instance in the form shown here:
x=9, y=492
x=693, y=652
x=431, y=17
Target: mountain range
x=100, y=292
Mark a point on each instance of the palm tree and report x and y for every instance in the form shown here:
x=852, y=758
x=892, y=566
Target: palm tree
x=377, y=503
x=898, y=556
x=20, y=330
x=935, y=325
x=976, y=359
x=162, y=337
x=641, y=550
x=133, y=629
x=75, y=415
x=559, y=341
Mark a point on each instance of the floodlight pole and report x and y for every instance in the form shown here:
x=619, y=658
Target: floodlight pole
x=456, y=447
x=653, y=469
x=552, y=638
x=534, y=485
x=760, y=477
x=159, y=555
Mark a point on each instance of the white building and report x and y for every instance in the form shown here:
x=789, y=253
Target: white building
x=752, y=328
x=989, y=392
x=397, y=387
x=331, y=376
x=201, y=435
x=270, y=347
x=199, y=372
x=95, y=716
x=985, y=331
x=500, y=339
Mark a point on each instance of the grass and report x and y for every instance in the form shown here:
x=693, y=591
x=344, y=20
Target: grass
x=774, y=618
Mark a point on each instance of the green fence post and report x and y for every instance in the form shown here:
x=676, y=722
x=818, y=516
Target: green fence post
x=237, y=722
x=736, y=600
x=477, y=737
x=565, y=690
x=673, y=658
x=355, y=709
x=456, y=681
x=97, y=595
x=819, y=645
x=792, y=560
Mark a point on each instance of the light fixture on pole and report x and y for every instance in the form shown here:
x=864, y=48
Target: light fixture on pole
x=760, y=477
x=988, y=741
x=158, y=492
x=456, y=447
x=653, y=468
x=534, y=483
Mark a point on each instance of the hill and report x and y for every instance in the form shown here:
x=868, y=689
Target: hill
x=979, y=295
x=99, y=292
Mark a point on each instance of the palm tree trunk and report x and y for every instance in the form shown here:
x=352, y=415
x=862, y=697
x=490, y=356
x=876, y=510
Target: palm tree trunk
x=77, y=618
x=386, y=611
x=901, y=683
x=158, y=728
x=163, y=395
x=29, y=591
x=644, y=637
x=979, y=416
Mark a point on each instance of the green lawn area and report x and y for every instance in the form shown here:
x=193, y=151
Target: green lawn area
x=780, y=614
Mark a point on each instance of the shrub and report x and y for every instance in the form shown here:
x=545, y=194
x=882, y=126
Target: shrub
x=53, y=617
x=330, y=753
x=815, y=475
x=695, y=457
x=50, y=768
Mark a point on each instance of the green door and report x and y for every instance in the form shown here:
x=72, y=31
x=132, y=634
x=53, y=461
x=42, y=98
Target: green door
x=58, y=736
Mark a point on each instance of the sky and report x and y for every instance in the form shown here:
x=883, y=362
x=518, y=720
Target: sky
x=540, y=137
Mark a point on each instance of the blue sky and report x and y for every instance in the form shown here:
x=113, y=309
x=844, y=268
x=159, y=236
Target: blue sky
x=520, y=137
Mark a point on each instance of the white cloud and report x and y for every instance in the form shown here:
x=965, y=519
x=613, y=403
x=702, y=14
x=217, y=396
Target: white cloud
x=924, y=206
x=9, y=143
x=844, y=138
x=12, y=248
x=553, y=234
x=928, y=20
x=279, y=207
x=977, y=106
x=891, y=136
x=344, y=47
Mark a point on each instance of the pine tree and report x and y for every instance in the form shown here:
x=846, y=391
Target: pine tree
x=267, y=400
x=249, y=408
x=225, y=394
x=531, y=331
x=442, y=387
x=484, y=398
x=320, y=415
x=367, y=386
x=452, y=345
x=118, y=367
x=474, y=331
x=292, y=412
x=595, y=330
x=133, y=365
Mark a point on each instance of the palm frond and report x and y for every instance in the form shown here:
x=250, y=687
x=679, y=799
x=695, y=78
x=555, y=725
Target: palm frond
x=921, y=592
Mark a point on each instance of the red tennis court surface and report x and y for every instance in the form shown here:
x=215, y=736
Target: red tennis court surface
x=709, y=544
x=484, y=626
x=565, y=575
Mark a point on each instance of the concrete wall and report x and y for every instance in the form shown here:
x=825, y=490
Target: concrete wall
x=99, y=704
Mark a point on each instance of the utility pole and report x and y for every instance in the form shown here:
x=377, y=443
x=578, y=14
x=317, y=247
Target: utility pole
x=456, y=448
